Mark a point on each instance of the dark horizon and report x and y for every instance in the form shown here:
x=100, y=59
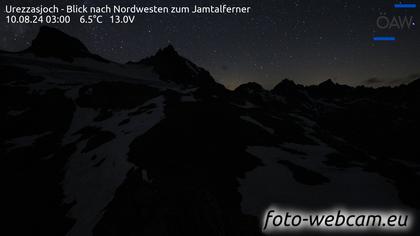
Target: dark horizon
x=370, y=83
x=307, y=41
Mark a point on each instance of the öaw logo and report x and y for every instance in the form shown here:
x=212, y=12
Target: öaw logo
x=395, y=22
x=399, y=22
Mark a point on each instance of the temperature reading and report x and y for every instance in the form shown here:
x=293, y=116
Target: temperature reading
x=90, y=19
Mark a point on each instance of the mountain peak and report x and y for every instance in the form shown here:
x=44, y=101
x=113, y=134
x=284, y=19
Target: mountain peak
x=251, y=87
x=415, y=83
x=173, y=67
x=51, y=42
x=170, y=49
x=167, y=53
x=285, y=85
x=327, y=83
x=287, y=81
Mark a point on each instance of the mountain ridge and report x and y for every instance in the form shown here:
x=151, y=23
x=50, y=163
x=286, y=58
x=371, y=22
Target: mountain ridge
x=169, y=151
x=51, y=42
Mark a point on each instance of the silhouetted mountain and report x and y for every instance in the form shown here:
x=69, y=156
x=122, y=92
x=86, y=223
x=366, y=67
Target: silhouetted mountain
x=251, y=87
x=284, y=86
x=415, y=84
x=328, y=84
x=159, y=148
x=255, y=95
x=173, y=67
x=329, y=89
x=295, y=96
x=51, y=42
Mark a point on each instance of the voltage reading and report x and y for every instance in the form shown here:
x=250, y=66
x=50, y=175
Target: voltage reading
x=125, y=19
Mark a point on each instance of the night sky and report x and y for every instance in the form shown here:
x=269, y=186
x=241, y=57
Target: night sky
x=307, y=41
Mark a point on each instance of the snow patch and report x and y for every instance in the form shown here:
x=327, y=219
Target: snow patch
x=255, y=122
x=274, y=183
x=91, y=182
x=26, y=141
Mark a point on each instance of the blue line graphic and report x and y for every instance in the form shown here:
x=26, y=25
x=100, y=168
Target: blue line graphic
x=384, y=38
x=405, y=5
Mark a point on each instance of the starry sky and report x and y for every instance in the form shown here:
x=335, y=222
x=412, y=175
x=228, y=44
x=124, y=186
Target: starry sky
x=307, y=41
